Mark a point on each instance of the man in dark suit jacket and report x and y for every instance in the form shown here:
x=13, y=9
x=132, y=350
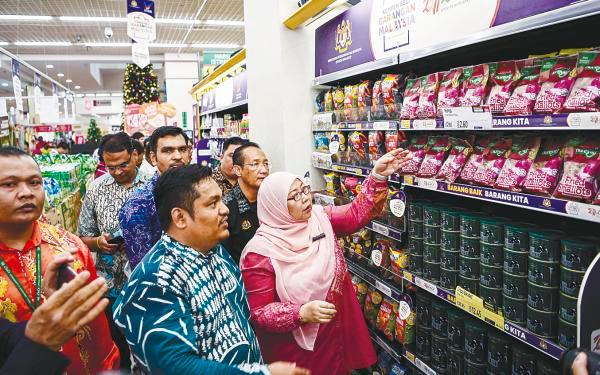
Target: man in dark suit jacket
x=32, y=347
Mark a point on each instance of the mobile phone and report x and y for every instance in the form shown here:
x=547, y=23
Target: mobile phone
x=116, y=240
x=65, y=274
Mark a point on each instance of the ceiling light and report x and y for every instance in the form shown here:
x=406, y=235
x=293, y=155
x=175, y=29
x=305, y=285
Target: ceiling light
x=43, y=44
x=23, y=17
x=90, y=95
x=176, y=21
x=108, y=44
x=224, y=23
x=49, y=66
x=222, y=46
x=93, y=19
x=77, y=87
x=168, y=45
x=117, y=94
x=69, y=81
x=80, y=95
x=4, y=84
x=4, y=43
x=60, y=75
x=102, y=95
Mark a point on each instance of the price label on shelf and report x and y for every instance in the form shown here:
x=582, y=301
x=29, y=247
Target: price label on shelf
x=383, y=288
x=467, y=118
x=427, y=183
x=584, y=120
x=381, y=125
x=405, y=124
x=381, y=229
x=583, y=211
x=409, y=180
x=424, y=124
x=474, y=305
x=423, y=367
x=410, y=356
x=431, y=288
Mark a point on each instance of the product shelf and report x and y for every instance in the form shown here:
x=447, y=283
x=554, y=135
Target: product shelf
x=350, y=169
x=357, y=125
x=386, y=230
x=397, y=354
x=575, y=210
x=232, y=106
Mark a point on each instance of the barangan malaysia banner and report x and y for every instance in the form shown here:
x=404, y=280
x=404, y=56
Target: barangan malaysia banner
x=376, y=29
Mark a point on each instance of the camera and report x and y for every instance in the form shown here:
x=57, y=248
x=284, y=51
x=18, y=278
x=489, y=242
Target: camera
x=108, y=32
x=593, y=361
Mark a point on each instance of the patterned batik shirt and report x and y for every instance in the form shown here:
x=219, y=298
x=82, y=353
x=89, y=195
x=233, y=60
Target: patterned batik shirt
x=243, y=222
x=99, y=214
x=184, y=312
x=223, y=182
x=139, y=222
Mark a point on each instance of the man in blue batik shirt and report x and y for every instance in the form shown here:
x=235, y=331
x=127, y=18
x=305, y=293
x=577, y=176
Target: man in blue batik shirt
x=140, y=227
x=184, y=310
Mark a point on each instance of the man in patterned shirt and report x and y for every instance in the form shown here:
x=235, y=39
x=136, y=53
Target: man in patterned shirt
x=185, y=309
x=224, y=173
x=169, y=148
x=98, y=221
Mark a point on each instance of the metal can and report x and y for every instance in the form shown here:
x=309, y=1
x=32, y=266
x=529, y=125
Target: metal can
x=515, y=262
x=567, y=334
x=470, y=247
x=472, y=368
x=475, y=341
x=450, y=219
x=431, y=271
x=567, y=308
x=456, y=329
x=546, y=367
x=469, y=284
x=423, y=341
x=577, y=254
x=469, y=267
x=450, y=259
x=415, y=246
x=448, y=278
x=492, y=297
x=415, y=229
x=492, y=231
x=545, y=245
x=432, y=235
x=490, y=276
x=423, y=310
x=542, y=323
x=516, y=236
x=543, y=273
x=515, y=286
x=570, y=281
x=470, y=225
x=542, y=298
x=439, y=318
x=492, y=255
x=431, y=253
x=515, y=310
x=456, y=362
x=415, y=211
x=523, y=360
x=450, y=240
x=431, y=215
x=439, y=351
x=499, y=353
x=415, y=264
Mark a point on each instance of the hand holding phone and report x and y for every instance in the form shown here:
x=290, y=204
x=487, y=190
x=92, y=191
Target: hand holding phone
x=65, y=274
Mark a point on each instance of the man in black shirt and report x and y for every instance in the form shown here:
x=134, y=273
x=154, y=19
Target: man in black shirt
x=251, y=166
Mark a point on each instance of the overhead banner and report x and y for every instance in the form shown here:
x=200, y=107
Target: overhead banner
x=147, y=117
x=375, y=29
x=140, y=55
x=232, y=91
x=141, y=25
x=16, y=67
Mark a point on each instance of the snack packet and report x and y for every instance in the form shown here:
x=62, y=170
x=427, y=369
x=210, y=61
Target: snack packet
x=597, y=199
x=428, y=98
x=390, y=88
x=386, y=319
x=522, y=154
x=350, y=186
x=365, y=94
x=359, y=143
x=476, y=159
x=395, y=206
x=320, y=102
x=412, y=93
x=493, y=161
x=459, y=154
x=321, y=142
x=398, y=262
x=543, y=175
x=373, y=300
x=524, y=96
x=377, y=98
x=475, y=83
x=417, y=150
x=503, y=80
x=405, y=328
x=380, y=254
x=556, y=80
x=350, y=102
x=328, y=100
x=582, y=165
x=339, y=96
x=394, y=139
x=449, y=92
x=376, y=145
x=585, y=94
x=332, y=183
x=435, y=156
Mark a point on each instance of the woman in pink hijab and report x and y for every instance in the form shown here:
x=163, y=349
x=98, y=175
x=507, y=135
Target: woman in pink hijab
x=303, y=305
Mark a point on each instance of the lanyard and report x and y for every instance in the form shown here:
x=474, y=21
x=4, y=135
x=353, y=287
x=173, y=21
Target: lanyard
x=38, y=279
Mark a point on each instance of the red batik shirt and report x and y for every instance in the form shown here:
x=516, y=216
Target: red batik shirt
x=92, y=350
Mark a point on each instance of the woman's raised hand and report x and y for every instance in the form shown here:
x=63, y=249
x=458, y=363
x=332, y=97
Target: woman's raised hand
x=317, y=312
x=391, y=162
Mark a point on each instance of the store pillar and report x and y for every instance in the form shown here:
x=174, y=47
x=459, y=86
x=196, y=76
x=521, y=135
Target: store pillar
x=181, y=73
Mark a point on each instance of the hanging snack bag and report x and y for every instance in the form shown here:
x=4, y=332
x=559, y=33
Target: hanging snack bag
x=390, y=86
x=405, y=328
x=556, y=80
x=372, y=302
x=376, y=145
x=412, y=93
x=597, y=199
x=481, y=146
x=394, y=139
x=332, y=183
x=493, y=161
x=524, y=96
x=359, y=143
x=435, y=156
x=386, y=319
x=475, y=83
x=361, y=293
x=396, y=204
x=459, y=154
x=380, y=254
x=329, y=101
x=350, y=102
x=503, y=80
x=449, y=92
x=398, y=262
x=428, y=98
x=582, y=165
x=365, y=94
x=543, y=175
x=585, y=95
x=320, y=102
x=417, y=150
x=321, y=142
x=339, y=96
x=520, y=159
x=377, y=98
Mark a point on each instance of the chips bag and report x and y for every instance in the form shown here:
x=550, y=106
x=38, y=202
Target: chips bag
x=365, y=95
x=359, y=146
x=377, y=98
x=380, y=253
x=503, y=80
x=556, y=80
x=522, y=154
x=398, y=262
x=428, y=98
x=350, y=102
x=481, y=146
x=394, y=139
x=435, y=156
x=328, y=100
x=582, y=165
x=396, y=203
x=350, y=186
x=339, y=96
x=412, y=93
x=405, y=328
x=493, y=161
x=459, y=154
x=386, y=319
x=417, y=150
x=332, y=183
x=543, y=175
x=475, y=83
x=373, y=300
x=390, y=88
x=585, y=94
x=449, y=92
x=523, y=98
x=376, y=145
x=321, y=142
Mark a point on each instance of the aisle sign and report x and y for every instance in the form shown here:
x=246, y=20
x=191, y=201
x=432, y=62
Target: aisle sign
x=16, y=67
x=475, y=306
x=140, y=54
x=467, y=118
x=141, y=25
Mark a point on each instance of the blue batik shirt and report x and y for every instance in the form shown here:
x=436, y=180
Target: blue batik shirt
x=139, y=222
x=184, y=312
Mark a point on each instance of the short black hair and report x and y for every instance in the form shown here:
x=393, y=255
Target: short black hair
x=117, y=142
x=147, y=149
x=177, y=188
x=238, y=155
x=26, y=143
x=137, y=145
x=63, y=145
x=137, y=136
x=234, y=141
x=10, y=151
x=165, y=131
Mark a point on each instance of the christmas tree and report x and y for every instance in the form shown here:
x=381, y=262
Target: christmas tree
x=140, y=85
x=94, y=134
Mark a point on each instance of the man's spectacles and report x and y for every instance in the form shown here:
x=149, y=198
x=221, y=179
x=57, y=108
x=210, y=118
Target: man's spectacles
x=305, y=190
x=254, y=166
x=120, y=166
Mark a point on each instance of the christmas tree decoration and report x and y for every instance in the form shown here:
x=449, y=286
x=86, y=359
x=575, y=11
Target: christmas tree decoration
x=140, y=85
x=94, y=134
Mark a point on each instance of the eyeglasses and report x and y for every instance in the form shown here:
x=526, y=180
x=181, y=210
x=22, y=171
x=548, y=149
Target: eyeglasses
x=254, y=166
x=120, y=166
x=305, y=190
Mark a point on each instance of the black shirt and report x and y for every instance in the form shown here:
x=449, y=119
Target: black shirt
x=243, y=222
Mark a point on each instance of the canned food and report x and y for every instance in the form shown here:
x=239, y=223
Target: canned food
x=543, y=273
x=423, y=341
x=415, y=211
x=470, y=247
x=492, y=255
x=439, y=318
x=439, y=351
x=472, y=368
x=431, y=271
x=499, y=353
x=514, y=310
x=432, y=235
x=431, y=253
x=546, y=367
x=492, y=231
x=516, y=236
x=567, y=309
x=542, y=298
x=431, y=215
x=492, y=297
x=415, y=264
x=490, y=276
x=450, y=259
x=470, y=225
x=523, y=360
x=545, y=245
x=577, y=254
x=423, y=310
x=448, y=278
x=567, y=334
x=415, y=229
x=570, y=281
x=415, y=246
x=450, y=219
x=469, y=284
x=456, y=362
x=542, y=323
x=515, y=286
x=456, y=329
x=469, y=267
x=450, y=240
x=475, y=341
x=515, y=262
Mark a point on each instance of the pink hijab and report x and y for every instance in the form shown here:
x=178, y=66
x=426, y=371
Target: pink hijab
x=304, y=270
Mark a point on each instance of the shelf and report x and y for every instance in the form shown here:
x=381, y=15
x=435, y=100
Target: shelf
x=357, y=125
x=234, y=105
x=398, y=354
x=575, y=210
x=356, y=70
x=353, y=170
x=370, y=278
x=386, y=230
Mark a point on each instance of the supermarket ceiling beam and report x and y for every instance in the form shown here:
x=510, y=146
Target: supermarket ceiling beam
x=96, y=20
x=95, y=58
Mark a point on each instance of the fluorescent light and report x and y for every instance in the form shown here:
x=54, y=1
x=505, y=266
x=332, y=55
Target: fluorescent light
x=117, y=94
x=222, y=46
x=4, y=43
x=60, y=74
x=176, y=21
x=102, y=95
x=108, y=44
x=90, y=95
x=69, y=81
x=168, y=45
x=49, y=66
x=4, y=84
x=80, y=95
x=77, y=87
x=44, y=44
x=23, y=17
x=224, y=23
x=93, y=19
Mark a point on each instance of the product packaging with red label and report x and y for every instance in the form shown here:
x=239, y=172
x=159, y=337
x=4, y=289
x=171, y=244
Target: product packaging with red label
x=522, y=154
x=376, y=145
x=417, y=150
x=585, y=94
x=411, y=99
x=582, y=164
x=435, y=156
x=390, y=86
x=544, y=173
x=475, y=84
x=405, y=328
x=493, y=161
x=503, y=81
x=449, y=92
x=339, y=96
x=459, y=154
x=395, y=139
x=523, y=98
x=377, y=98
x=428, y=98
x=372, y=302
x=359, y=145
x=329, y=107
x=556, y=80
x=350, y=102
x=365, y=94
x=482, y=145
x=386, y=319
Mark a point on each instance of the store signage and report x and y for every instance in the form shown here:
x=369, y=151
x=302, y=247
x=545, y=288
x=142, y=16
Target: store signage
x=215, y=58
x=141, y=25
x=16, y=79
x=467, y=118
x=230, y=92
x=376, y=29
x=147, y=117
x=140, y=54
x=61, y=128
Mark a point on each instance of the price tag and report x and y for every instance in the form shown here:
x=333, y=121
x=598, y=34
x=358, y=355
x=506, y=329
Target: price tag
x=583, y=211
x=381, y=125
x=409, y=180
x=381, y=229
x=405, y=124
x=584, y=120
x=334, y=147
x=424, y=124
x=474, y=305
x=431, y=288
x=376, y=257
x=383, y=288
x=423, y=367
x=404, y=310
x=397, y=207
x=463, y=118
x=427, y=183
x=410, y=356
